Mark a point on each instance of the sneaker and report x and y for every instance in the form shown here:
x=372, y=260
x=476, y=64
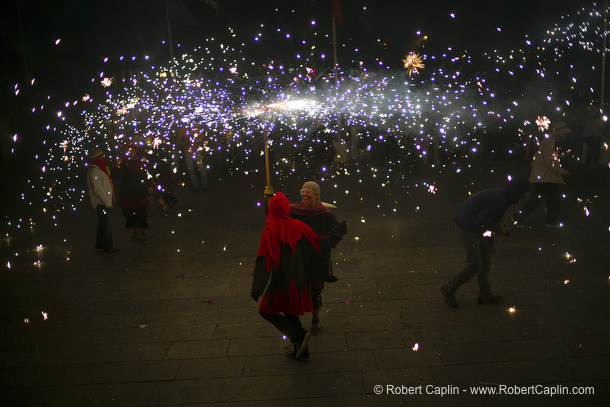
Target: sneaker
x=517, y=224
x=98, y=249
x=112, y=250
x=489, y=299
x=449, y=297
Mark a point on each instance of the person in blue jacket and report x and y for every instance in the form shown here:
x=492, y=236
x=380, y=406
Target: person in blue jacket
x=476, y=221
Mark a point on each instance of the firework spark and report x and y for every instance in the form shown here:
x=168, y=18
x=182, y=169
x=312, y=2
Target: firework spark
x=412, y=63
x=543, y=123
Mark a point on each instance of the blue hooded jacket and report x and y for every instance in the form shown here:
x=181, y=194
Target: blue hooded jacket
x=484, y=210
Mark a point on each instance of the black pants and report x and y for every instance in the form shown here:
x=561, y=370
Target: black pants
x=137, y=217
x=289, y=325
x=542, y=191
x=103, y=232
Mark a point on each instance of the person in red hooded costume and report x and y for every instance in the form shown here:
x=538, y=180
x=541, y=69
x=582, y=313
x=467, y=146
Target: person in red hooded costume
x=281, y=274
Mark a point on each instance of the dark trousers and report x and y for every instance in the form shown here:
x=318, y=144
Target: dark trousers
x=137, y=217
x=103, y=232
x=289, y=325
x=542, y=190
x=478, y=262
x=593, y=150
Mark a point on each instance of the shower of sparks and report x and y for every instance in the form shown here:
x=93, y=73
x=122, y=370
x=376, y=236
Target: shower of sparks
x=230, y=96
x=543, y=123
x=412, y=63
x=106, y=82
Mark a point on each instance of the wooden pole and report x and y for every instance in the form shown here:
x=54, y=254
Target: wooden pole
x=267, y=161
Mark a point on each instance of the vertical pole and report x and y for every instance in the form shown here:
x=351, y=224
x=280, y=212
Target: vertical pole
x=169, y=32
x=335, y=45
x=601, y=101
x=24, y=51
x=267, y=159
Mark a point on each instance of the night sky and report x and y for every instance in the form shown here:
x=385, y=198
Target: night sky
x=90, y=31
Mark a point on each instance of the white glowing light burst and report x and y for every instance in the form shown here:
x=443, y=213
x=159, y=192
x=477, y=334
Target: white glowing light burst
x=543, y=123
x=512, y=309
x=488, y=233
x=106, y=82
x=45, y=316
x=415, y=347
x=412, y=63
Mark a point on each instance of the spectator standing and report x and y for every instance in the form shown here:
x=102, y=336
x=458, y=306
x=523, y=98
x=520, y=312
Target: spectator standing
x=99, y=183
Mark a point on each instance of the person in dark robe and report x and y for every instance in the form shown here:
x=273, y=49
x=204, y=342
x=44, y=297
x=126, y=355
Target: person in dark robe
x=317, y=215
x=281, y=275
x=133, y=195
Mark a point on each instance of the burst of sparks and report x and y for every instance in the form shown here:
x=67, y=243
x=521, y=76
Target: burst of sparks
x=543, y=123
x=412, y=63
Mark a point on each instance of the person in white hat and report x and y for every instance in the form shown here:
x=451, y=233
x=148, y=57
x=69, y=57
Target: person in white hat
x=546, y=176
x=100, y=193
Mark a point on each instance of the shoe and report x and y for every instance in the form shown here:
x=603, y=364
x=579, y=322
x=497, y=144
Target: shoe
x=315, y=327
x=112, y=250
x=517, y=224
x=292, y=354
x=489, y=299
x=302, y=346
x=449, y=297
x=98, y=249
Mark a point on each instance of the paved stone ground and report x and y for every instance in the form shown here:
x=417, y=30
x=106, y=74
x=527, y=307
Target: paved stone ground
x=136, y=329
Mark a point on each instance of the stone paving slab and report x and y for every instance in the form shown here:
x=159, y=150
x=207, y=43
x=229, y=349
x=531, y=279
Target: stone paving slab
x=171, y=323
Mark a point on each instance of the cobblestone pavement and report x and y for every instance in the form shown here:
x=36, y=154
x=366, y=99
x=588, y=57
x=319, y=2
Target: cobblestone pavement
x=171, y=323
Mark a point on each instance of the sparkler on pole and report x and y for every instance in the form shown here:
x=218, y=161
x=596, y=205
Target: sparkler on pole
x=268, y=190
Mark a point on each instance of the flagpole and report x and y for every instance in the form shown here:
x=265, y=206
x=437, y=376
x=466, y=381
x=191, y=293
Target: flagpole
x=335, y=44
x=601, y=99
x=169, y=33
